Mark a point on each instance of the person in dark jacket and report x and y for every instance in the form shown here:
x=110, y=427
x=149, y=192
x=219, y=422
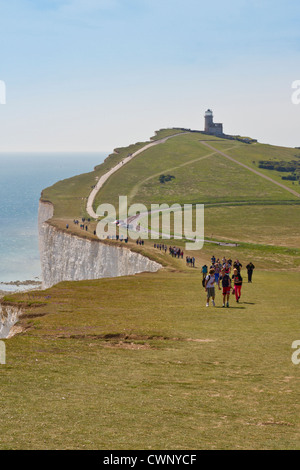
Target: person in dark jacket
x=204, y=270
x=250, y=267
x=237, y=265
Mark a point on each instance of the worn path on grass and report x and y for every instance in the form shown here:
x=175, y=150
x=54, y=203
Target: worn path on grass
x=135, y=189
x=105, y=177
x=251, y=169
x=135, y=219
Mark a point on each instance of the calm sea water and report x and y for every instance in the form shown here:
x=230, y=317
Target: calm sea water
x=22, y=178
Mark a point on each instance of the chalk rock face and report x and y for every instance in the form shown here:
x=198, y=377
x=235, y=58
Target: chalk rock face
x=9, y=316
x=46, y=212
x=66, y=257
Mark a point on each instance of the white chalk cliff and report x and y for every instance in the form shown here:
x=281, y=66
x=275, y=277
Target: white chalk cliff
x=66, y=257
x=9, y=316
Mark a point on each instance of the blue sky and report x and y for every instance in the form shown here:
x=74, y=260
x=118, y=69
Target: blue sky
x=97, y=74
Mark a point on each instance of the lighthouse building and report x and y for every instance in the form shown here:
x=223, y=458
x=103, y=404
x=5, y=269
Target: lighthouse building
x=210, y=126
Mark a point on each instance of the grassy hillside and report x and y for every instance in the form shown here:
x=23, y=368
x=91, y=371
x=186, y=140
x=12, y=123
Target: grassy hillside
x=240, y=206
x=201, y=175
x=69, y=196
x=254, y=205
x=140, y=362
x=252, y=154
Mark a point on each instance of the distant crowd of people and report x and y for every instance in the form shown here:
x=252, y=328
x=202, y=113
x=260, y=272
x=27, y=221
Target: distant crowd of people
x=161, y=247
x=83, y=225
x=220, y=273
x=223, y=272
x=176, y=252
x=173, y=250
x=116, y=237
x=190, y=261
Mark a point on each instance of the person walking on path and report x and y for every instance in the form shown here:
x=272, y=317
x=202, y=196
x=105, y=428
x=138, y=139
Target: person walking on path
x=226, y=284
x=204, y=271
x=238, y=281
x=250, y=267
x=217, y=272
x=227, y=267
x=210, y=287
x=237, y=265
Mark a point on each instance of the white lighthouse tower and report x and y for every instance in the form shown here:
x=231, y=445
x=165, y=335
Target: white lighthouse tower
x=210, y=127
x=209, y=120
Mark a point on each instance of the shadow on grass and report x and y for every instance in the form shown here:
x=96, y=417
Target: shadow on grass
x=230, y=307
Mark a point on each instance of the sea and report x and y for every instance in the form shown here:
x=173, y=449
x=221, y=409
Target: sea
x=22, y=178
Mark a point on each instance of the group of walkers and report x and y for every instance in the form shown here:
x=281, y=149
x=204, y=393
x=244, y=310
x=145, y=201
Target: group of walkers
x=83, y=226
x=118, y=238
x=174, y=251
x=161, y=247
x=190, y=261
x=220, y=273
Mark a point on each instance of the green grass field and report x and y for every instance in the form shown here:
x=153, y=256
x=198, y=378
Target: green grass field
x=140, y=362
x=201, y=176
x=105, y=368
x=255, y=224
x=69, y=196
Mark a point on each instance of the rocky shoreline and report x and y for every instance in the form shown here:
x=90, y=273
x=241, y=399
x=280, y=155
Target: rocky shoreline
x=28, y=285
x=21, y=283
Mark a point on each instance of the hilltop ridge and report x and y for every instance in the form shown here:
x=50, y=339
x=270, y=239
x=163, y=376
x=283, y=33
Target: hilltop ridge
x=198, y=175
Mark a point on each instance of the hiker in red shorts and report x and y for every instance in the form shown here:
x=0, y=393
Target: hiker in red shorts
x=238, y=281
x=226, y=284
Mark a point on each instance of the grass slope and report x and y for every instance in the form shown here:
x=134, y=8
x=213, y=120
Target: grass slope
x=139, y=362
x=106, y=368
x=69, y=196
x=201, y=175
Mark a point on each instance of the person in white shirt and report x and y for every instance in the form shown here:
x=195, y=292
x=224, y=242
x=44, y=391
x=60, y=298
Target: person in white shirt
x=210, y=281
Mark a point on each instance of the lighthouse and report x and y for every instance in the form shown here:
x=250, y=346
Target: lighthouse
x=210, y=127
x=209, y=120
